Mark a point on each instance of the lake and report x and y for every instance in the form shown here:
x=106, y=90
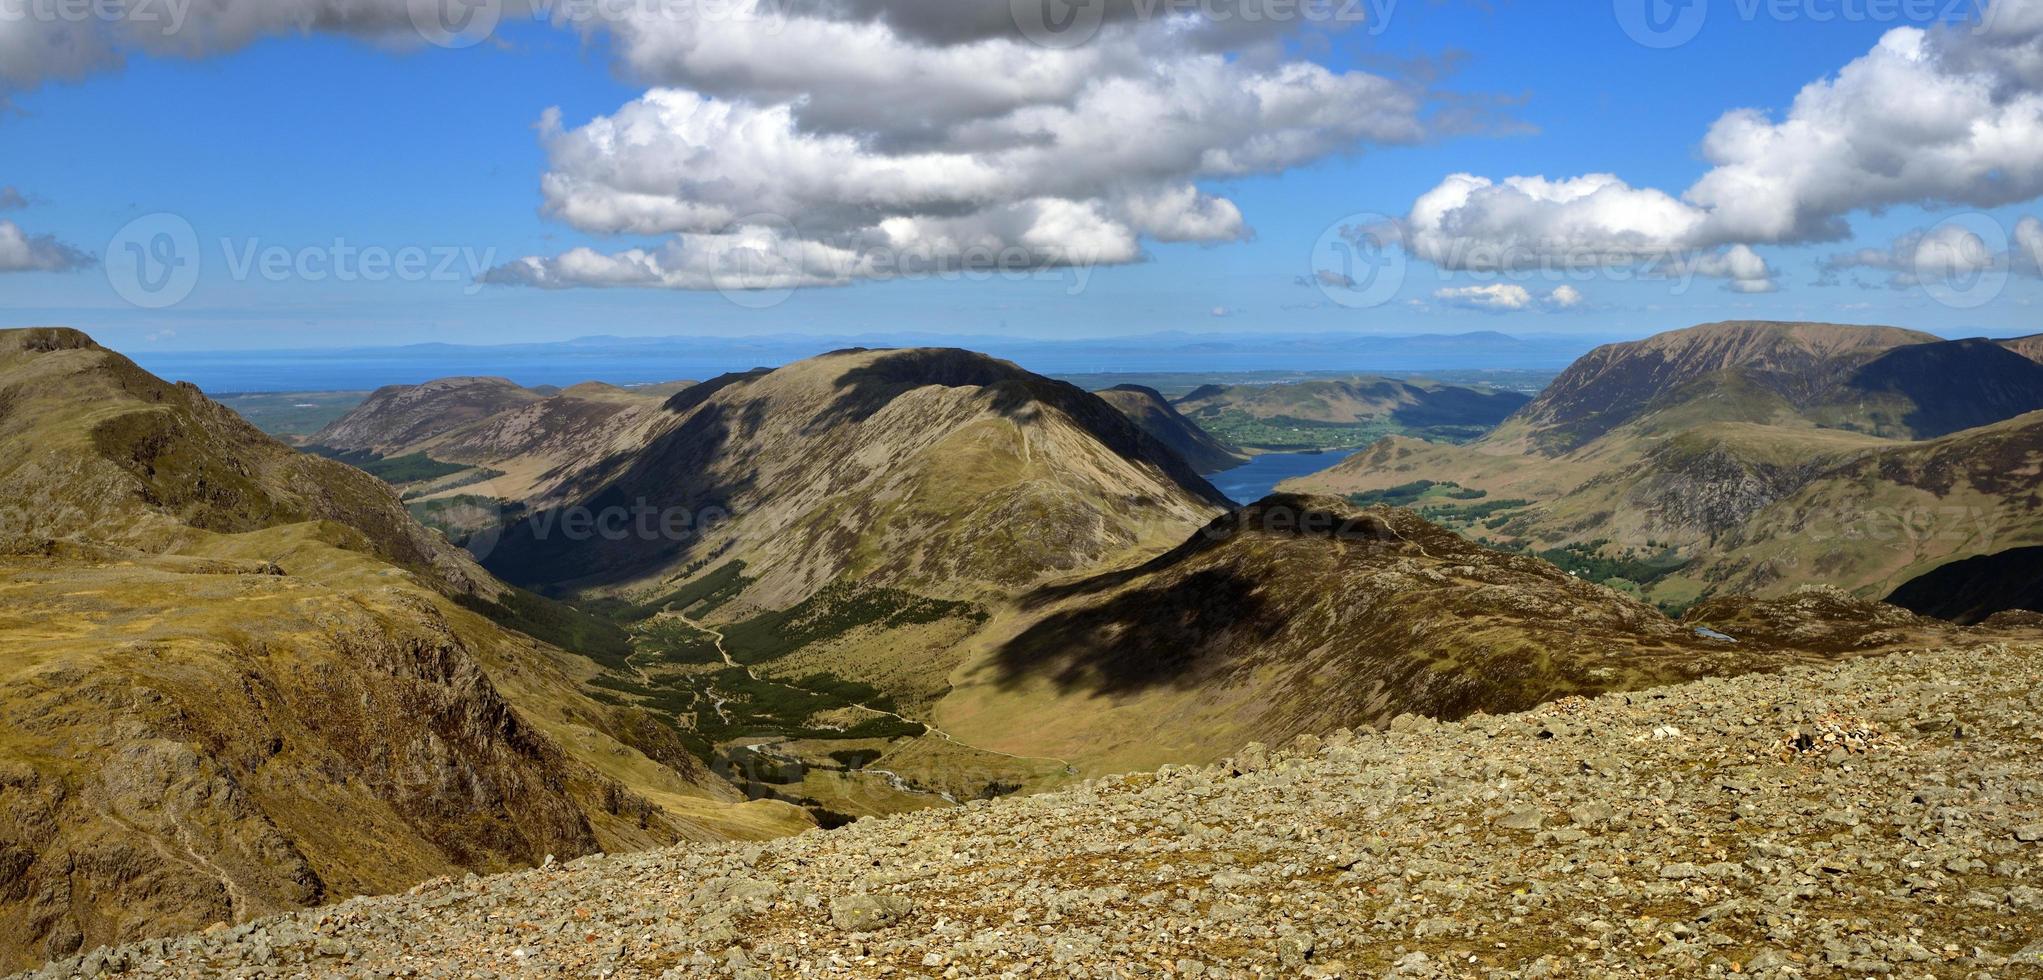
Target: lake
x=1250, y=483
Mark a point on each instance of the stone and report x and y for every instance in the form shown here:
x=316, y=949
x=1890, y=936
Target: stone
x=865, y=913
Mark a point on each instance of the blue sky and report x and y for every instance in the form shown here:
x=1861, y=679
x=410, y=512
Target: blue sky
x=286, y=142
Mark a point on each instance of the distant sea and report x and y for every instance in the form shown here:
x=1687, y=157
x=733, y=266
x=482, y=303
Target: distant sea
x=627, y=361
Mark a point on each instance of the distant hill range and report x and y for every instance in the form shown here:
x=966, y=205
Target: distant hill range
x=1365, y=406
x=633, y=360
x=241, y=680
x=1752, y=457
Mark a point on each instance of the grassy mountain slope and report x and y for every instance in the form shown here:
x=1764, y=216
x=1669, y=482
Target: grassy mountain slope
x=1775, y=364
x=396, y=419
x=1340, y=413
x=1148, y=408
x=2030, y=347
x=1300, y=615
x=1713, y=450
x=946, y=473
x=238, y=681
x=488, y=439
x=1883, y=517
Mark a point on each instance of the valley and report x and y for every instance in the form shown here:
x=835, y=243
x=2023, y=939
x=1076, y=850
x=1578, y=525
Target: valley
x=884, y=582
x=1011, y=490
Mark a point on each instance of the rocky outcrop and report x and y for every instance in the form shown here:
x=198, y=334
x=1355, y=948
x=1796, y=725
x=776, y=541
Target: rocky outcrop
x=117, y=456
x=1875, y=818
x=239, y=680
x=193, y=770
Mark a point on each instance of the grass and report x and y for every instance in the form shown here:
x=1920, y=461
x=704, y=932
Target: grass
x=289, y=414
x=1483, y=512
x=557, y=623
x=1418, y=491
x=698, y=598
x=395, y=470
x=1285, y=433
x=836, y=610
x=480, y=474
x=676, y=643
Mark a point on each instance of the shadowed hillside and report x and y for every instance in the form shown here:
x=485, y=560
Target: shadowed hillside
x=239, y=680
x=940, y=471
x=1148, y=409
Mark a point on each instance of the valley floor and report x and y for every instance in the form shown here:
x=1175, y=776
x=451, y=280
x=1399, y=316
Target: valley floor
x=1879, y=817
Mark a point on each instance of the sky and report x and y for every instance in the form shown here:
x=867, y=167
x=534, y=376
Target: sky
x=259, y=174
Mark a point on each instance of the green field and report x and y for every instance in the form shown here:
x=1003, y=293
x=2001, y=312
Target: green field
x=394, y=470
x=292, y=415
x=1284, y=434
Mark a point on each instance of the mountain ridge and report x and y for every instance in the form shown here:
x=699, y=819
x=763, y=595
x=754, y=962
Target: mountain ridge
x=241, y=680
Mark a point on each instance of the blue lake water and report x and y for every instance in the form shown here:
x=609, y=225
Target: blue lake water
x=1248, y=484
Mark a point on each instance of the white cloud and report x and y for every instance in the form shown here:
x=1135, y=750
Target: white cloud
x=1055, y=173
x=1492, y=298
x=1949, y=116
x=103, y=34
x=932, y=126
x=23, y=252
x=1945, y=253
x=1506, y=298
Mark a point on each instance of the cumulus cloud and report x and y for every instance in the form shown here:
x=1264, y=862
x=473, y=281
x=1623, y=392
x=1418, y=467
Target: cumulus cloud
x=1564, y=298
x=889, y=135
x=1501, y=297
x=1507, y=298
x=836, y=128
x=23, y=252
x=74, y=40
x=11, y=199
x=1944, y=116
x=1949, y=252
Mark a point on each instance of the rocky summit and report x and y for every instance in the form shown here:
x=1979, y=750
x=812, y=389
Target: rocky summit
x=1878, y=817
